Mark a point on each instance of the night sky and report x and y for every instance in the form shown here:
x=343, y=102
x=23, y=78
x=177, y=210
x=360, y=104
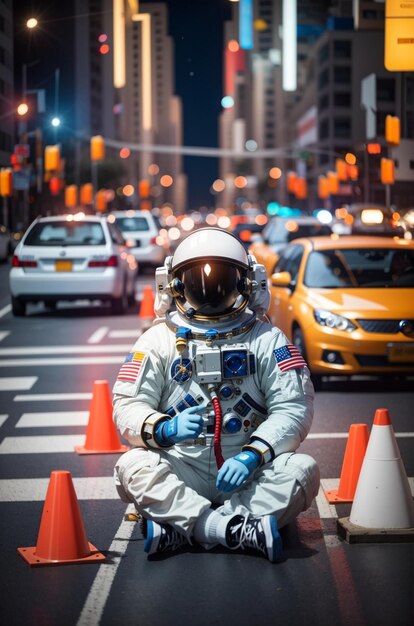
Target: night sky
x=197, y=28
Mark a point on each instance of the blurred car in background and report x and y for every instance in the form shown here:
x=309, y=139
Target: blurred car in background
x=374, y=219
x=72, y=257
x=143, y=229
x=406, y=221
x=279, y=231
x=347, y=304
x=5, y=243
x=245, y=232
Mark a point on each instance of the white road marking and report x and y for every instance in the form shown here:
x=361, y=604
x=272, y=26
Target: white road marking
x=34, y=489
x=345, y=435
x=122, y=334
x=6, y=309
x=4, y=334
x=3, y=419
x=98, y=595
x=53, y=419
x=93, y=360
x=43, y=397
x=41, y=445
x=37, y=350
x=98, y=335
x=17, y=383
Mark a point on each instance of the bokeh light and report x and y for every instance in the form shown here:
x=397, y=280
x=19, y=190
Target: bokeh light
x=124, y=153
x=233, y=45
x=128, y=190
x=275, y=173
x=166, y=180
x=227, y=102
x=218, y=185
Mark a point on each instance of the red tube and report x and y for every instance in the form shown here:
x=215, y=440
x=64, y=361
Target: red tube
x=217, y=432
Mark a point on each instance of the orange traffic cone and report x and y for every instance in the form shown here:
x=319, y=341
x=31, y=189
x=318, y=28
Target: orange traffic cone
x=62, y=537
x=383, y=507
x=354, y=455
x=146, y=311
x=101, y=433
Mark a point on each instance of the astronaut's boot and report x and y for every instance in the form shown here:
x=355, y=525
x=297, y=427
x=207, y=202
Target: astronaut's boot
x=260, y=534
x=161, y=537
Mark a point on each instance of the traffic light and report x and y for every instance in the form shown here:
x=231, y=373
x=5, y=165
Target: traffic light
x=392, y=130
x=100, y=201
x=144, y=188
x=97, y=148
x=71, y=196
x=323, y=187
x=6, y=181
x=387, y=172
x=291, y=181
x=374, y=148
x=86, y=194
x=341, y=169
x=54, y=185
x=333, y=182
x=52, y=158
x=301, y=188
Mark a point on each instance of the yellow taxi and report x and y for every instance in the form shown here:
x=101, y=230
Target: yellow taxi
x=347, y=303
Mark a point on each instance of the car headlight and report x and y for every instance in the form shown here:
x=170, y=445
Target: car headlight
x=332, y=320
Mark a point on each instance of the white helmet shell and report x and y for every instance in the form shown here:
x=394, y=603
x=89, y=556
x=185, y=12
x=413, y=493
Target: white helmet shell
x=211, y=243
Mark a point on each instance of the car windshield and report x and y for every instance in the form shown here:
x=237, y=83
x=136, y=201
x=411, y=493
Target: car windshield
x=360, y=267
x=132, y=224
x=65, y=233
x=284, y=231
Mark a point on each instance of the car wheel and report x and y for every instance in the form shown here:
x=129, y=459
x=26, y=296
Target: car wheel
x=299, y=341
x=18, y=307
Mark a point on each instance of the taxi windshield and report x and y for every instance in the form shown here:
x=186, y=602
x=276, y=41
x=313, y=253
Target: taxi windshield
x=360, y=267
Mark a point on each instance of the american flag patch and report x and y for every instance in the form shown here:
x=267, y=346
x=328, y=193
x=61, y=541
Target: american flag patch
x=131, y=367
x=288, y=357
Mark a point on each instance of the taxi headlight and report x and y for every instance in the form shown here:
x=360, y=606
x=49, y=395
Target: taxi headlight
x=332, y=320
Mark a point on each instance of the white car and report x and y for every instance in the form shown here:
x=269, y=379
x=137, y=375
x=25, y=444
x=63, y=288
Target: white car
x=143, y=229
x=72, y=257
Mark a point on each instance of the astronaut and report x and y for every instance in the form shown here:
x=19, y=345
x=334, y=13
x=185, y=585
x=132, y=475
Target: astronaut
x=215, y=402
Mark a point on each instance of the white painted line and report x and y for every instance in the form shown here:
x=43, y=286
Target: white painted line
x=17, y=383
x=38, y=350
x=327, y=511
x=41, y=445
x=98, y=595
x=98, y=335
x=53, y=419
x=345, y=435
x=48, y=397
x=3, y=419
x=6, y=309
x=97, y=360
x=4, y=334
x=34, y=489
x=122, y=334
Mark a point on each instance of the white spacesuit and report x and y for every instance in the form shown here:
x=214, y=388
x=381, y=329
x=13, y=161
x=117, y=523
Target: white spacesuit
x=215, y=401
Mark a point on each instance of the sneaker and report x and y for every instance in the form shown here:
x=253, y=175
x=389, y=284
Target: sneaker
x=161, y=537
x=259, y=534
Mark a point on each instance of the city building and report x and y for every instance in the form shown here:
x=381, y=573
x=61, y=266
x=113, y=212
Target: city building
x=7, y=104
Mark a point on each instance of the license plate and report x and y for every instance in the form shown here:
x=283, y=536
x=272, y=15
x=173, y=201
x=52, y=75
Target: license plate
x=402, y=352
x=63, y=266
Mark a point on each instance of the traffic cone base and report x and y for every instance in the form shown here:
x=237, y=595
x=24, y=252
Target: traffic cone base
x=30, y=556
x=354, y=455
x=352, y=533
x=101, y=433
x=62, y=538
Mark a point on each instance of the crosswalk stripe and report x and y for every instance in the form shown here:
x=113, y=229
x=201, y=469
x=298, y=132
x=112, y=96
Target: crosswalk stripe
x=345, y=435
x=4, y=334
x=54, y=419
x=3, y=419
x=6, y=309
x=17, y=383
x=94, y=360
x=41, y=445
x=42, y=397
x=122, y=334
x=48, y=350
x=98, y=335
x=34, y=489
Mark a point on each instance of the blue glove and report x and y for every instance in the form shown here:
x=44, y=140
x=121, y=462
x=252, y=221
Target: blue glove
x=186, y=425
x=236, y=471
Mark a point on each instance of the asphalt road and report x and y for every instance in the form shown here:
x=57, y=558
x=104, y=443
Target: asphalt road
x=49, y=363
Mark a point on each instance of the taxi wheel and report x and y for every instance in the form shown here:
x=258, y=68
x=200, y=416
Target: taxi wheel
x=299, y=341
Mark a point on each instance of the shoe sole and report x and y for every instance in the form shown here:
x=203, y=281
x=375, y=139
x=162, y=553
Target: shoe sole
x=153, y=537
